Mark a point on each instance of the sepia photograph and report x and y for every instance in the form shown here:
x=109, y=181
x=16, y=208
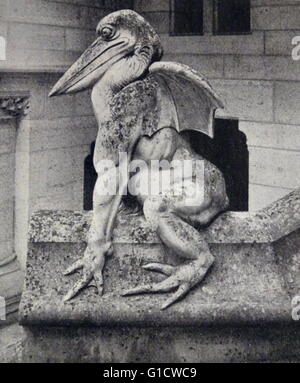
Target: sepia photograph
x=149, y=184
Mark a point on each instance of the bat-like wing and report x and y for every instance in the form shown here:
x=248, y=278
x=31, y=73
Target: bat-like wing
x=184, y=97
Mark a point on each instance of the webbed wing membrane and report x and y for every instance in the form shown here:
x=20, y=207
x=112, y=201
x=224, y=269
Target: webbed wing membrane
x=185, y=99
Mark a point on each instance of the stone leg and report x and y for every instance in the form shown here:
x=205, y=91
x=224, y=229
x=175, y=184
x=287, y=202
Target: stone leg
x=186, y=242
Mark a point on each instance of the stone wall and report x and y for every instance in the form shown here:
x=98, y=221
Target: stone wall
x=258, y=80
x=42, y=155
x=7, y=176
x=48, y=35
x=51, y=143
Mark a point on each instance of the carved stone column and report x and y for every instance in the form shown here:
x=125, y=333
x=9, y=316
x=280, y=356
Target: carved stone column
x=12, y=109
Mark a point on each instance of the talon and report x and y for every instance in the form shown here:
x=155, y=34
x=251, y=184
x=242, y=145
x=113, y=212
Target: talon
x=180, y=293
x=92, y=264
x=76, y=266
x=182, y=277
x=137, y=290
x=98, y=278
x=160, y=287
x=76, y=288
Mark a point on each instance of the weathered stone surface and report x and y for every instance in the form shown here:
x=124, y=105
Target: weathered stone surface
x=34, y=36
x=266, y=164
x=172, y=345
x=263, y=67
x=286, y=102
x=210, y=66
x=258, y=227
x=11, y=340
x=245, y=100
x=245, y=286
x=260, y=195
x=272, y=136
x=280, y=42
x=276, y=17
x=244, y=45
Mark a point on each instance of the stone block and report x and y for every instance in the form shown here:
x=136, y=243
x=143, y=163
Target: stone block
x=262, y=67
x=11, y=338
x=232, y=45
x=279, y=136
x=83, y=104
x=261, y=196
x=93, y=16
x=7, y=176
x=78, y=39
x=7, y=136
x=62, y=196
x=276, y=17
x=38, y=60
x=273, y=167
x=62, y=133
x=168, y=345
x=246, y=100
x=7, y=217
x=210, y=66
x=160, y=21
x=244, y=290
x=256, y=3
x=3, y=27
x=88, y=3
x=49, y=13
x=286, y=102
x=151, y=6
x=59, y=107
x=280, y=42
x=56, y=168
x=36, y=37
x=6, y=250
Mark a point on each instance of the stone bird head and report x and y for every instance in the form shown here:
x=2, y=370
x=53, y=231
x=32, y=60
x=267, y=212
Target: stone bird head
x=125, y=47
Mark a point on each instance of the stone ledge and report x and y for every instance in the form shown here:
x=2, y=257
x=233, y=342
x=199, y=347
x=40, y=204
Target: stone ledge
x=254, y=278
x=272, y=223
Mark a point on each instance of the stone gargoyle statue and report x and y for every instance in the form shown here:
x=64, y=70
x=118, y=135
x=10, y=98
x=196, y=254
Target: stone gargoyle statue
x=144, y=108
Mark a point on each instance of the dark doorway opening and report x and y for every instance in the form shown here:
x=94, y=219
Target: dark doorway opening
x=89, y=180
x=229, y=152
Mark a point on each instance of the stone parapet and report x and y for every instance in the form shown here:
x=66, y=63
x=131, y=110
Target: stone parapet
x=255, y=276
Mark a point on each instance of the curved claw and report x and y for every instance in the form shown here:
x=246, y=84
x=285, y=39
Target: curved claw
x=84, y=281
x=179, y=277
x=98, y=278
x=160, y=287
x=92, y=264
x=76, y=266
x=180, y=293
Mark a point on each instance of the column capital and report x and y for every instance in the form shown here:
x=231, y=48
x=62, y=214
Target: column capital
x=14, y=105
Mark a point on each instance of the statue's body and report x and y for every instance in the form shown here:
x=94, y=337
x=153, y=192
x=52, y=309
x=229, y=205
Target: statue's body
x=139, y=112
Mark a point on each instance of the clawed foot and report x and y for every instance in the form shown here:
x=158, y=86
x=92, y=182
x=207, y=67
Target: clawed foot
x=182, y=277
x=92, y=265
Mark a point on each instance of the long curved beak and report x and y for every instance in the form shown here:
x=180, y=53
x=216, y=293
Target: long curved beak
x=91, y=65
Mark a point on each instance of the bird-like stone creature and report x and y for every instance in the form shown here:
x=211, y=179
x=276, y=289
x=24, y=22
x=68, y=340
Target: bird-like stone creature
x=144, y=108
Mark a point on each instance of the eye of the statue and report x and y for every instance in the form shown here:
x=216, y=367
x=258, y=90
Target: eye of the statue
x=107, y=32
